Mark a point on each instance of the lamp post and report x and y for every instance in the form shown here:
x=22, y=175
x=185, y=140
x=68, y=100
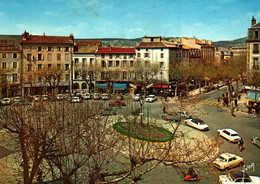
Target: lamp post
x=141, y=111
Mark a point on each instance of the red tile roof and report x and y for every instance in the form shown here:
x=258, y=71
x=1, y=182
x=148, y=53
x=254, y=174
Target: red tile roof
x=43, y=39
x=88, y=42
x=116, y=50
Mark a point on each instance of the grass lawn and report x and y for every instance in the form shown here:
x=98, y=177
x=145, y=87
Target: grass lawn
x=144, y=132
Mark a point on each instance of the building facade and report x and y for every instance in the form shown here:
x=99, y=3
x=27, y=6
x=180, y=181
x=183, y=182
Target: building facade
x=253, y=42
x=10, y=57
x=84, y=63
x=45, y=63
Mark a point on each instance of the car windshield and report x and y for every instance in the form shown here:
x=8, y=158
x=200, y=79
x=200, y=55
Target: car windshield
x=198, y=121
x=222, y=158
x=233, y=134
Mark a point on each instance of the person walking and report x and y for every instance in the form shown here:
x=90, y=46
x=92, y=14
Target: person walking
x=241, y=145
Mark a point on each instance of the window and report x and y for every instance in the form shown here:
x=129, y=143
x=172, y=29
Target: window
x=117, y=63
x=67, y=66
x=29, y=57
x=14, y=77
x=3, y=55
x=161, y=64
x=255, y=35
x=14, y=55
x=102, y=56
x=256, y=49
x=138, y=54
x=39, y=79
x=131, y=55
x=117, y=56
x=4, y=65
x=49, y=57
x=124, y=63
x=67, y=57
x=49, y=65
x=138, y=49
x=91, y=61
x=131, y=63
x=103, y=64
x=255, y=63
x=39, y=49
x=29, y=48
x=161, y=49
x=67, y=49
x=76, y=60
x=67, y=77
x=161, y=55
x=39, y=56
x=29, y=67
x=125, y=56
x=59, y=49
x=4, y=77
x=110, y=63
x=58, y=66
x=39, y=66
x=49, y=49
x=124, y=75
x=58, y=57
x=146, y=55
x=110, y=56
x=84, y=60
x=14, y=65
x=146, y=49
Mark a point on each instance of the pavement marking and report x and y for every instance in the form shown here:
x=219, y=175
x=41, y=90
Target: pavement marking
x=208, y=102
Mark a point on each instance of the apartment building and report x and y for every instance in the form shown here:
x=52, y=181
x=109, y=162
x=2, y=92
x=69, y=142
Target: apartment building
x=84, y=63
x=113, y=65
x=156, y=50
x=9, y=65
x=45, y=63
x=253, y=42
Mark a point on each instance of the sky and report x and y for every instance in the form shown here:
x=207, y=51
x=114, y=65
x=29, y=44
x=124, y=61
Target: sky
x=205, y=19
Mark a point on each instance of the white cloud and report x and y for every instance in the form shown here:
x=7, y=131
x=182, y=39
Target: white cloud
x=49, y=13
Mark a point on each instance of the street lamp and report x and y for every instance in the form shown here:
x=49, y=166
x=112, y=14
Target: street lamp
x=141, y=111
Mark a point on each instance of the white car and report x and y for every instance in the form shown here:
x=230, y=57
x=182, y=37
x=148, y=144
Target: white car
x=96, y=96
x=17, y=99
x=105, y=96
x=5, y=101
x=229, y=134
x=86, y=96
x=228, y=161
x=196, y=123
x=151, y=98
x=137, y=97
x=75, y=99
x=236, y=177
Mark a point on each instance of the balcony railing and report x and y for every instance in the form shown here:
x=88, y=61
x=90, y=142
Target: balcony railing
x=255, y=51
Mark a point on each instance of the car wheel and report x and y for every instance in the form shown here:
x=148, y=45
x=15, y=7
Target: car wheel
x=241, y=163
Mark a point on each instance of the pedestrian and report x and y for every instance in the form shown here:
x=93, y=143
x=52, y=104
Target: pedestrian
x=232, y=112
x=164, y=109
x=218, y=99
x=235, y=102
x=239, y=97
x=241, y=145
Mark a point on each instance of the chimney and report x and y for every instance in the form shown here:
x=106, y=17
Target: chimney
x=253, y=21
x=25, y=35
x=71, y=37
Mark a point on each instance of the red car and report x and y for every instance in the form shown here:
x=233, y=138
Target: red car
x=117, y=103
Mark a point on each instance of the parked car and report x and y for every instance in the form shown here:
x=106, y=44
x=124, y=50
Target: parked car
x=228, y=161
x=36, y=98
x=17, y=99
x=229, y=134
x=96, y=96
x=196, y=123
x=256, y=141
x=105, y=96
x=60, y=97
x=86, y=96
x=137, y=97
x=236, y=177
x=116, y=103
x=22, y=101
x=6, y=101
x=75, y=99
x=45, y=97
x=151, y=98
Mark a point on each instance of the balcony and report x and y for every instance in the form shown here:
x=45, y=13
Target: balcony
x=255, y=51
x=256, y=67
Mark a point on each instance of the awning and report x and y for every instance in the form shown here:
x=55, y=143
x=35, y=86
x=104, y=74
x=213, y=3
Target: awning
x=101, y=85
x=253, y=96
x=119, y=86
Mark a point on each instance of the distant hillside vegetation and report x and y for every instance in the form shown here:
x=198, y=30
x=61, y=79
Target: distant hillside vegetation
x=240, y=42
